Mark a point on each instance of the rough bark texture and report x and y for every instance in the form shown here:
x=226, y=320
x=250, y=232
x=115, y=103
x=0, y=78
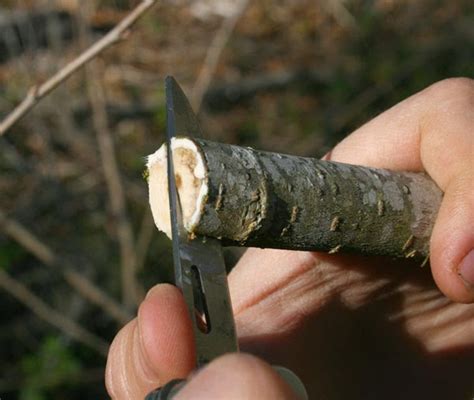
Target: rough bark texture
x=261, y=199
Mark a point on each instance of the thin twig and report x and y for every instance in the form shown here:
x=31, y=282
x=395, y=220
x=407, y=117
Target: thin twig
x=113, y=181
x=341, y=14
x=36, y=93
x=144, y=237
x=214, y=53
x=46, y=255
x=100, y=120
x=50, y=315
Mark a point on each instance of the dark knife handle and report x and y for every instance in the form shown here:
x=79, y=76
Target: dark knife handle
x=166, y=392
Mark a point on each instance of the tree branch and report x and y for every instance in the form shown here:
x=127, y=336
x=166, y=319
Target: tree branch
x=214, y=53
x=145, y=234
x=46, y=255
x=253, y=198
x=50, y=315
x=113, y=181
x=36, y=93
x=100, y=120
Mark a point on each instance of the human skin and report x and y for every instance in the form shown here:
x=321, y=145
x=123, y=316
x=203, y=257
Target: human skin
x=348, y=326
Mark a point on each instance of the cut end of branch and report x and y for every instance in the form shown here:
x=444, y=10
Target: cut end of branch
x=191, y=182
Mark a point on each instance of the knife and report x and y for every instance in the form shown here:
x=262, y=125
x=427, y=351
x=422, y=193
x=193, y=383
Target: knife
x=198, y=261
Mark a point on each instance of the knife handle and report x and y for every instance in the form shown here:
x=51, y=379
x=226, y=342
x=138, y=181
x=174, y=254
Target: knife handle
x=166, y=392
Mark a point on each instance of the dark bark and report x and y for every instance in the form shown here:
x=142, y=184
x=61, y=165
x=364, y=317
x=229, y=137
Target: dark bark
x=261, y=199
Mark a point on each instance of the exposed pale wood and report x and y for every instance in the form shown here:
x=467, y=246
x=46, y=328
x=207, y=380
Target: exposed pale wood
x=261, y=199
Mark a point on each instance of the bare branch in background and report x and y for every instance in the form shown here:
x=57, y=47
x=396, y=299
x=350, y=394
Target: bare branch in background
x=338, y=9
x=100, y=120
x=144, y=237
x=214, y=53
x=113, y=180
x=83, y=286
x=48, y=314
x=36, y=93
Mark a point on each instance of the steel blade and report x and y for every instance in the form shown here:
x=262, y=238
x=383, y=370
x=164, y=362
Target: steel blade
x=186, y=122
x=199, y=264
x=177, y=228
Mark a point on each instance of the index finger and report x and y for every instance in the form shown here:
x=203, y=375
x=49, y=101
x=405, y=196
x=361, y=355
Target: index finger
x=152, y=349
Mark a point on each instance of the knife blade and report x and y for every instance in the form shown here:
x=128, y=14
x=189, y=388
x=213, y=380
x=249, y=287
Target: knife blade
x=198, y=261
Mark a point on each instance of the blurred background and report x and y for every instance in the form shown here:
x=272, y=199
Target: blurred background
x=78, y=248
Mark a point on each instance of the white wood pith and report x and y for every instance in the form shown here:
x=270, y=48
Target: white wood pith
x=191, y=181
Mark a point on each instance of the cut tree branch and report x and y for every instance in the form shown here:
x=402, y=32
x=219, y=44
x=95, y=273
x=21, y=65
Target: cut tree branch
x=36, y=93
x=50, y=315
x=43, y=253
x=259, y=199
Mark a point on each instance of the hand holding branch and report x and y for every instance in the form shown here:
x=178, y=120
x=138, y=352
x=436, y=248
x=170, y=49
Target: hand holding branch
x=347, y=325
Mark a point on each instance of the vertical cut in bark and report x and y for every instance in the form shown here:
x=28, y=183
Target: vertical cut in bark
x=260, y=199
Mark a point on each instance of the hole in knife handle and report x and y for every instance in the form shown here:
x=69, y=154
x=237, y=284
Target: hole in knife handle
x=201, y=313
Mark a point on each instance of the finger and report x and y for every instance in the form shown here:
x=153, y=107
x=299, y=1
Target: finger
x=237, y=376
x=432, y=131
x=152, y=349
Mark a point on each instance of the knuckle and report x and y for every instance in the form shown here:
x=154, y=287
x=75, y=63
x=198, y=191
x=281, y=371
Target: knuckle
x=115, y=365
x=461, y=88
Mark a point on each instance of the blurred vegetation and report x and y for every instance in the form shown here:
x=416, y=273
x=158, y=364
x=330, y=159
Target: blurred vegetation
x=295, y=76
x=51, y=367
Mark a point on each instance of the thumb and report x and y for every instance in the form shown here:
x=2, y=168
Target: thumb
x=242, y=376
x=432, y=131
